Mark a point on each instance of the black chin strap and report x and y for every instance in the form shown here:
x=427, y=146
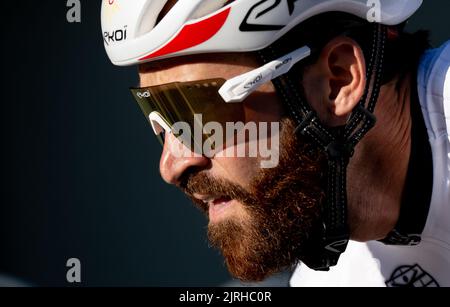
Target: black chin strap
x=332, y=237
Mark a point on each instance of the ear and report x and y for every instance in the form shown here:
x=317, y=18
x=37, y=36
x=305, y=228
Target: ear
x=336, y=82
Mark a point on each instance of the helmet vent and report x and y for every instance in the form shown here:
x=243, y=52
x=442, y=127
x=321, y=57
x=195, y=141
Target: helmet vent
x=166, y=9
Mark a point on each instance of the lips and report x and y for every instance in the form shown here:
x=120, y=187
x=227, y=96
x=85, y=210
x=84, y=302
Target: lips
x=220, y=200
x=217, y=205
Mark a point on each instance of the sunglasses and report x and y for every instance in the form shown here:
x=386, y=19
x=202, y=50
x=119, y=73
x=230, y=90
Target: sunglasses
x=216, y=100
x=191, y=103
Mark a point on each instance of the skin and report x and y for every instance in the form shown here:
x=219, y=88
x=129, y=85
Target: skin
x=333, y=86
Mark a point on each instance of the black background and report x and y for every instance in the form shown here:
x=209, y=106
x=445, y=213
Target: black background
x=79, y=164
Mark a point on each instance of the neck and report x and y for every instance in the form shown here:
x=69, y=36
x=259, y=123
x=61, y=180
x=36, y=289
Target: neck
x=377, y=172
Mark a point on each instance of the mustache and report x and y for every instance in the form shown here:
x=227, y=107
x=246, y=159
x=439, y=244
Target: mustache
x=204, y=184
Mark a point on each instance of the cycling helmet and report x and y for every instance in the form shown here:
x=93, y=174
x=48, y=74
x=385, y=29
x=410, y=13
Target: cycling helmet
x=133, y=33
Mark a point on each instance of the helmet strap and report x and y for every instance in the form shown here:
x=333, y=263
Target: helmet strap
x=330, y=240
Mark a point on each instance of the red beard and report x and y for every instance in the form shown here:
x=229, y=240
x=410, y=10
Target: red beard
x=283, y=205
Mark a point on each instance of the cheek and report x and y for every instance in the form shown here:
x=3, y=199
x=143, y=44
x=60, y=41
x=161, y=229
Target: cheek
x=263, y=107
x=260, y=107
x=260, y=153
x=238, y=170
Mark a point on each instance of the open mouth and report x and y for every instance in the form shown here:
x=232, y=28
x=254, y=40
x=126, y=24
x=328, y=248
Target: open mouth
x=218, y=206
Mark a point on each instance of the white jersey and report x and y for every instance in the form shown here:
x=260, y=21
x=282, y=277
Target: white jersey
x=427, y=264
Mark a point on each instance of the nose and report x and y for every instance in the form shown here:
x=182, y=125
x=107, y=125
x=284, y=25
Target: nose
x=173, y=164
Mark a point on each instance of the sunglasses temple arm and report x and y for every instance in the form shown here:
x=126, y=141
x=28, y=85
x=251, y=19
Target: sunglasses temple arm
x=240, y=87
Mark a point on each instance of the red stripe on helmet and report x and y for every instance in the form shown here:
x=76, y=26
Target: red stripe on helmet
x=192, y=35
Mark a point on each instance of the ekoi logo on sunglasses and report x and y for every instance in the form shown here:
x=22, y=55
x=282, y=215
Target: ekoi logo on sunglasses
x=145, y=94
x=229, y=140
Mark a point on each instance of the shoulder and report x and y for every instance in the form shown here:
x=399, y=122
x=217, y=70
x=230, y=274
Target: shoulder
x=433, y=82
x=434, y=61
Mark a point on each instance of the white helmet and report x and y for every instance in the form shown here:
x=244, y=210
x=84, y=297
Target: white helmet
x=132, y=35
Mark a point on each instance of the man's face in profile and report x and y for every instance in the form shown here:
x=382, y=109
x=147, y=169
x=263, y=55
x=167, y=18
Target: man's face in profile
x=258, y=217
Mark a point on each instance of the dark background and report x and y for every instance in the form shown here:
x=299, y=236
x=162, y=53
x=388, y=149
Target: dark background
x=79, y=163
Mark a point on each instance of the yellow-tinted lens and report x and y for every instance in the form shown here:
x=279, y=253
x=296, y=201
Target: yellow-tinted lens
x=180, y=101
